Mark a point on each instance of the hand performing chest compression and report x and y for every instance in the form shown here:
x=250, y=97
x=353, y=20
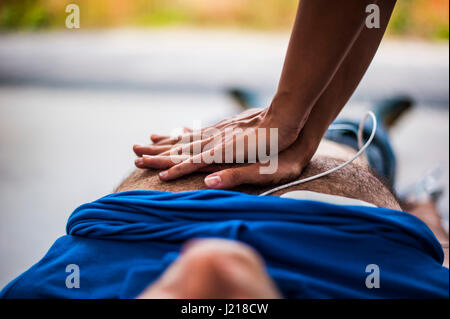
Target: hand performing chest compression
x=329, y=52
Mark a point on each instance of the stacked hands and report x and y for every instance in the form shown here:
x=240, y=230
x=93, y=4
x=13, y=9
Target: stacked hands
x=328, y=55
x=247, y=143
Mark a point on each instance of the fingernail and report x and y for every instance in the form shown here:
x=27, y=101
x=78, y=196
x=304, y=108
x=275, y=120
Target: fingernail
x=147, y=156
x=213, y=181
x=139, y=161
x=164, y=174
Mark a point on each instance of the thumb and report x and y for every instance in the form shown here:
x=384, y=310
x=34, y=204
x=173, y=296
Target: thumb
x=233, y=177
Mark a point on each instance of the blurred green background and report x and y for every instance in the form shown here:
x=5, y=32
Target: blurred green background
x=427, y=19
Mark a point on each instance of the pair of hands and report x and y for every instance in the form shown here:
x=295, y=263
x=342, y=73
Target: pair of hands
x=196, y=152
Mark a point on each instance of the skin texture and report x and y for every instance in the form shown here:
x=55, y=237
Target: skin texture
x=214, y=268
x=312, y=91
x=428, y=213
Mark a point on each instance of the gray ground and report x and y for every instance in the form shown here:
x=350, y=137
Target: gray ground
x=72, y=104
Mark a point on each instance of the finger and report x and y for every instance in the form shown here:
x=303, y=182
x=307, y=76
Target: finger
x=140, y=150
x=189, y=136
x=139, y=163
x=159, y=162
x=157, y=138
x=193, y=148
x=163, y=162
x=164, y=138
x=169, y=140
x=233, y=177
x=187, y=167
x=194, y=163
x=183, y=138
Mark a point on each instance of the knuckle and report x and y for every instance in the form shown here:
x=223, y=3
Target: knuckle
x=233, y=176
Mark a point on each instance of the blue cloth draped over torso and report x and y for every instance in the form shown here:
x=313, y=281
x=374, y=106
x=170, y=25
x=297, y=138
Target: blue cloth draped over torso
x=123, y=242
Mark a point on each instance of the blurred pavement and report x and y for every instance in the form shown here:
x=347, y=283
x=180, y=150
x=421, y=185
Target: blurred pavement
x=72, y=104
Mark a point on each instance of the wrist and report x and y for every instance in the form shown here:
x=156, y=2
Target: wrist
x=287, y=109
x=287, y=133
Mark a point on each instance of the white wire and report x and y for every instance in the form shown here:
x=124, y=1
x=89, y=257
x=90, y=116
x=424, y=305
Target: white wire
x=362, y=149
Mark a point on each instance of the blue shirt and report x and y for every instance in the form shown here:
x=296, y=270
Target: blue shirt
x=123, y=242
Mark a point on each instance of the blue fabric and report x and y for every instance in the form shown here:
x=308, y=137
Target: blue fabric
x=124, y=241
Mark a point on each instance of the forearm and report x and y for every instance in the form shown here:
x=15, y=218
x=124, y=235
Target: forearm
x=346, y=79
x=323, y=34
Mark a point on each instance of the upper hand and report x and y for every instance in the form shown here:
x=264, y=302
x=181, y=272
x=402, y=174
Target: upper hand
x=216, y=144
x=291, y=163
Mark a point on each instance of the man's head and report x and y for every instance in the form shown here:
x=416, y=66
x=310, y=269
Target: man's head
x=214, y=268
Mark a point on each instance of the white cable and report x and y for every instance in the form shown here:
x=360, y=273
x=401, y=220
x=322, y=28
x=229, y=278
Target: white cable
x=362, y=149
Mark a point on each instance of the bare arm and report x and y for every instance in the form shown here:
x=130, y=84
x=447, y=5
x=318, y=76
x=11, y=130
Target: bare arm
x=323, y=35
x=329, y=52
